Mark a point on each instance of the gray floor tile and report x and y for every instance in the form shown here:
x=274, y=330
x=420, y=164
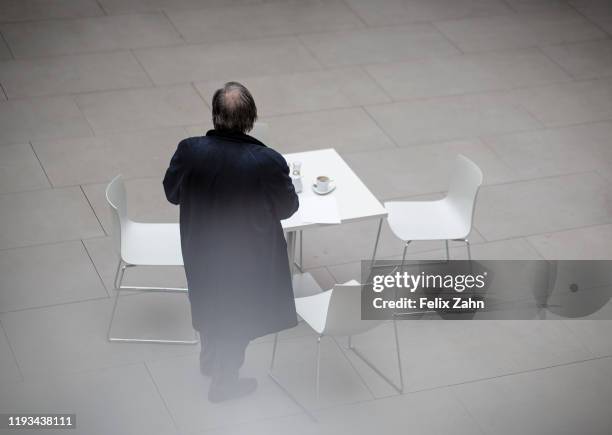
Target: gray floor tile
x=114, y=7
x=9, y=372
x=381, y=44
x=184, y=390
x=450, y=118
x=397, y=173
x=308, y=91
x=136, y=404
x=47, y=275
x=509, y=249
x=515, y=31
x=146, y=202
x=329, y=245
x=27, y=10
x=49, y=118
x=594, y=334
x=438, y=353
x=590, y=243
x=416, y=413
x=543, y=402
x=555, y=151
x=389, y=12
x=298, y=424
x=71, y=338
x=568, y=103
x=264, y=20
x=223, y=61
x=295, y=367
x=346, y=130
x=104, y=255
x=45, y=216
x=542, y=206
x=98, y=159
x=39, y=38
x=89, y=72
x=454, y=75
x=585, y=60
x=136, y=109
x=20, y=170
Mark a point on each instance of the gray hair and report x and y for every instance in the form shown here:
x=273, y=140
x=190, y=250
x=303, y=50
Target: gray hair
x=233, y=108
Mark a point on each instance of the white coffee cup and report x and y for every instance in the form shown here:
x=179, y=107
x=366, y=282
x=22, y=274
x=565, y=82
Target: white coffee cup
x=323, y=183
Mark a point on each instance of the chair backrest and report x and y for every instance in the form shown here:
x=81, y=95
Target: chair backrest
x=465, y=181
x=117, y=201
x=260, y=132
x=344, y=311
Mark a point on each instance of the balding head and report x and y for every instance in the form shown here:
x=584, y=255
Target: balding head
x=233, y=108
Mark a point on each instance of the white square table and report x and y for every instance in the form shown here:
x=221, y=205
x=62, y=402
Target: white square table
x=355, y=203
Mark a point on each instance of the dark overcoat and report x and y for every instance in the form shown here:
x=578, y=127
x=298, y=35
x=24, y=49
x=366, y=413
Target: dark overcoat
x=233, y=191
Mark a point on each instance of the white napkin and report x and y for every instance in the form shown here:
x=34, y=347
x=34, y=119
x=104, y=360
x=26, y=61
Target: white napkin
x=319, y=209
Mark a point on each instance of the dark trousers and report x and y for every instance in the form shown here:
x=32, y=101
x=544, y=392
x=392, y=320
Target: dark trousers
x=222, y=359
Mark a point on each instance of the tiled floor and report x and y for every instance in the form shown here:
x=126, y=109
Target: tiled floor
x=93, y=88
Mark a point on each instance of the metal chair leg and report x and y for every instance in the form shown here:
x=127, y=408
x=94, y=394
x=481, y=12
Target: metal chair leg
x=400, y=388
x=301, y=255
x=372, y=266
x=469, y=249
x=318, y=375
x=118, y=288
x=274, y=351
x=282, y=387
x=399, y=358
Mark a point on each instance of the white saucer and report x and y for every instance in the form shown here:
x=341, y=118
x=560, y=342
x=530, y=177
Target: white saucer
x=332, y=187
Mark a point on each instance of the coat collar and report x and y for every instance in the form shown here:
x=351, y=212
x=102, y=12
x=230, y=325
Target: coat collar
x=233, y=136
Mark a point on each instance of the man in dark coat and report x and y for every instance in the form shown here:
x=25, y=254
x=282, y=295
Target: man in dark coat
x=233, y=191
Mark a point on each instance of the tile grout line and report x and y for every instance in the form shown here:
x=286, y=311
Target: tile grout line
x=144, y=70
x=8, y=341
x=363, y=67
x=6, y=97
x=99, y=4
x=380, y=127
x=176, y=29
x=586, y=17
x=161, y=397
x=569, y=73
x=199, y=94
x=95, y=268
x=93, y=211
x=41, y=167
x=6, y=44
x=469, y=413
x=60, y=304
x=520, y=372
x=355, y=13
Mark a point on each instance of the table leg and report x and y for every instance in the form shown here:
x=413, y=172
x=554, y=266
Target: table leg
x=291, y=251
x=380, y=222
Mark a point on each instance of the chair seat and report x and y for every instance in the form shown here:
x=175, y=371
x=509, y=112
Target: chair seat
x=313, y=309
x=152, y=244
x=425, y=220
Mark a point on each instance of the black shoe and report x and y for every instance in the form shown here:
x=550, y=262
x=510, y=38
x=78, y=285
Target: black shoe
x=239, y=388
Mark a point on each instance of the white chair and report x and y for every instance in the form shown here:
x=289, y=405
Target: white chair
x=449, y=218
x=141, y=244
x=337, y=312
